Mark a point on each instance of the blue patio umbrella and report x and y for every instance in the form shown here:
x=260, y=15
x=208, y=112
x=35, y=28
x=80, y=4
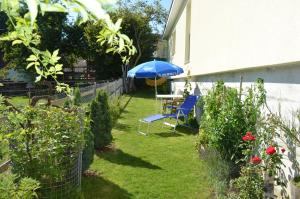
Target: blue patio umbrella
x=154, y=69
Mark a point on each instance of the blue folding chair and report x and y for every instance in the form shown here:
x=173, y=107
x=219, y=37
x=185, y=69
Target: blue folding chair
x=181, y=112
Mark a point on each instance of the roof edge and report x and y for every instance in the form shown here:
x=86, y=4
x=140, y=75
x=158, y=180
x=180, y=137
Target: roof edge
x=176, y=10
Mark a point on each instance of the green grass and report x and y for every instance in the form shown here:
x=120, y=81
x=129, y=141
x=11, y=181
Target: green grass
x=160, y=165
x=19, y=101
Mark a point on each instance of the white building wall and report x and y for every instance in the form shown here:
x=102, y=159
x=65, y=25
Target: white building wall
x=235, y=34
x=249, y=38
x=282, y=84
x=179, y=30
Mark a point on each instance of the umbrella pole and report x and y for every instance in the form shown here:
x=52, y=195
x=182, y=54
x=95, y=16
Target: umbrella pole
x=155, y=89
x=155, y=93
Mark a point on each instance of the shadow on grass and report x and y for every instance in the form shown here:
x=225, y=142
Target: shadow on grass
x=122, y=127
x=95, y=187
x=169, y=134
x=146, y=94
x=187, y=130
x=120, y=157
x=123, y=109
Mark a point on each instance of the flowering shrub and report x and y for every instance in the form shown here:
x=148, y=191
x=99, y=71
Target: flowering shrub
x=249, y=137
x=256, y=160
x=273, y=160
x=227, y=116
x=249, y=185
x=270, y=150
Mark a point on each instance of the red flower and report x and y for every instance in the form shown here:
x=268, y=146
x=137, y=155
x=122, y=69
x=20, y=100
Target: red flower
x=249, y=137
x=255, y=160
x=282, y=150
x=270, y=150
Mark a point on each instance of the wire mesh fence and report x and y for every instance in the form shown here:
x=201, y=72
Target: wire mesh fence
x=113, y=89
x=70, y=183
x=68, y=186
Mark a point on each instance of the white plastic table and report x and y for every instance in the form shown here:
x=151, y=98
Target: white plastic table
x=167, y=97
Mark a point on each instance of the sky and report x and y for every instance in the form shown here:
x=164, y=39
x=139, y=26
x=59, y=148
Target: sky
x=166, y=4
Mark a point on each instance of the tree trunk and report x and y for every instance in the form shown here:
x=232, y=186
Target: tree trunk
x=124, y=79
x=139, y=49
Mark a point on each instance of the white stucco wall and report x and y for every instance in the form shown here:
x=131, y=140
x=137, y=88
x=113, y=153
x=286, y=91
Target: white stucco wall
x=282, y=84
x=178, y=56
x=249, y=38
x=235, y=34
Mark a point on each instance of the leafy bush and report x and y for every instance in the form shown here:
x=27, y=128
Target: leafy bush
x=44, y=141
x=249, y=185
x=228, y=113
x=101, y=124
x=165, y=88
x=24, y=188
x=115, y=109
x=88, y=150
x=76, y=97
x=187, y=84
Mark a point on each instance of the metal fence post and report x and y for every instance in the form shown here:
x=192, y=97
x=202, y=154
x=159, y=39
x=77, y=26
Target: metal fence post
x=107, y=88
x=95, y=89
x=115, y=90
x=121, y=83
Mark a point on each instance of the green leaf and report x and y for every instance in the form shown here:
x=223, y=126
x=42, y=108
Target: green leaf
x=38, y=78
x=125, y=37
x=55, y=53
x=56, y=7
x=58, y=67
x=33, y=9
x=32, y=58
x=38, y=70
x=118, y=25
x=94, y=7
x=121, y=44
x=30, y=64
x=15, y=42
x=110, y=50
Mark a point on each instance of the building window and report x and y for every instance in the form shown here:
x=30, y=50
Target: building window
x=187, y=33
x=173, y=42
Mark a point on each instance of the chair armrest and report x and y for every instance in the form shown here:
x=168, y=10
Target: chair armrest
x=179, y=108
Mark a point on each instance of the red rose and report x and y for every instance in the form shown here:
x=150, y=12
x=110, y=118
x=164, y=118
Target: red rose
x=282, y=150
x=248, y=137
x=255, y=160
x=249, y=133
x=270, y=150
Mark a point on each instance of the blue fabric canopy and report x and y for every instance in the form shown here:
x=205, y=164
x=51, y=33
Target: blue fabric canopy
x=153, y=69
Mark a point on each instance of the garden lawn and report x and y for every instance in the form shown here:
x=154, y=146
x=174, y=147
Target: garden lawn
x=19, y=101
x=160, y=165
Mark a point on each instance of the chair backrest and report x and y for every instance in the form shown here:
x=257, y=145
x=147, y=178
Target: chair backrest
x=188, y=104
